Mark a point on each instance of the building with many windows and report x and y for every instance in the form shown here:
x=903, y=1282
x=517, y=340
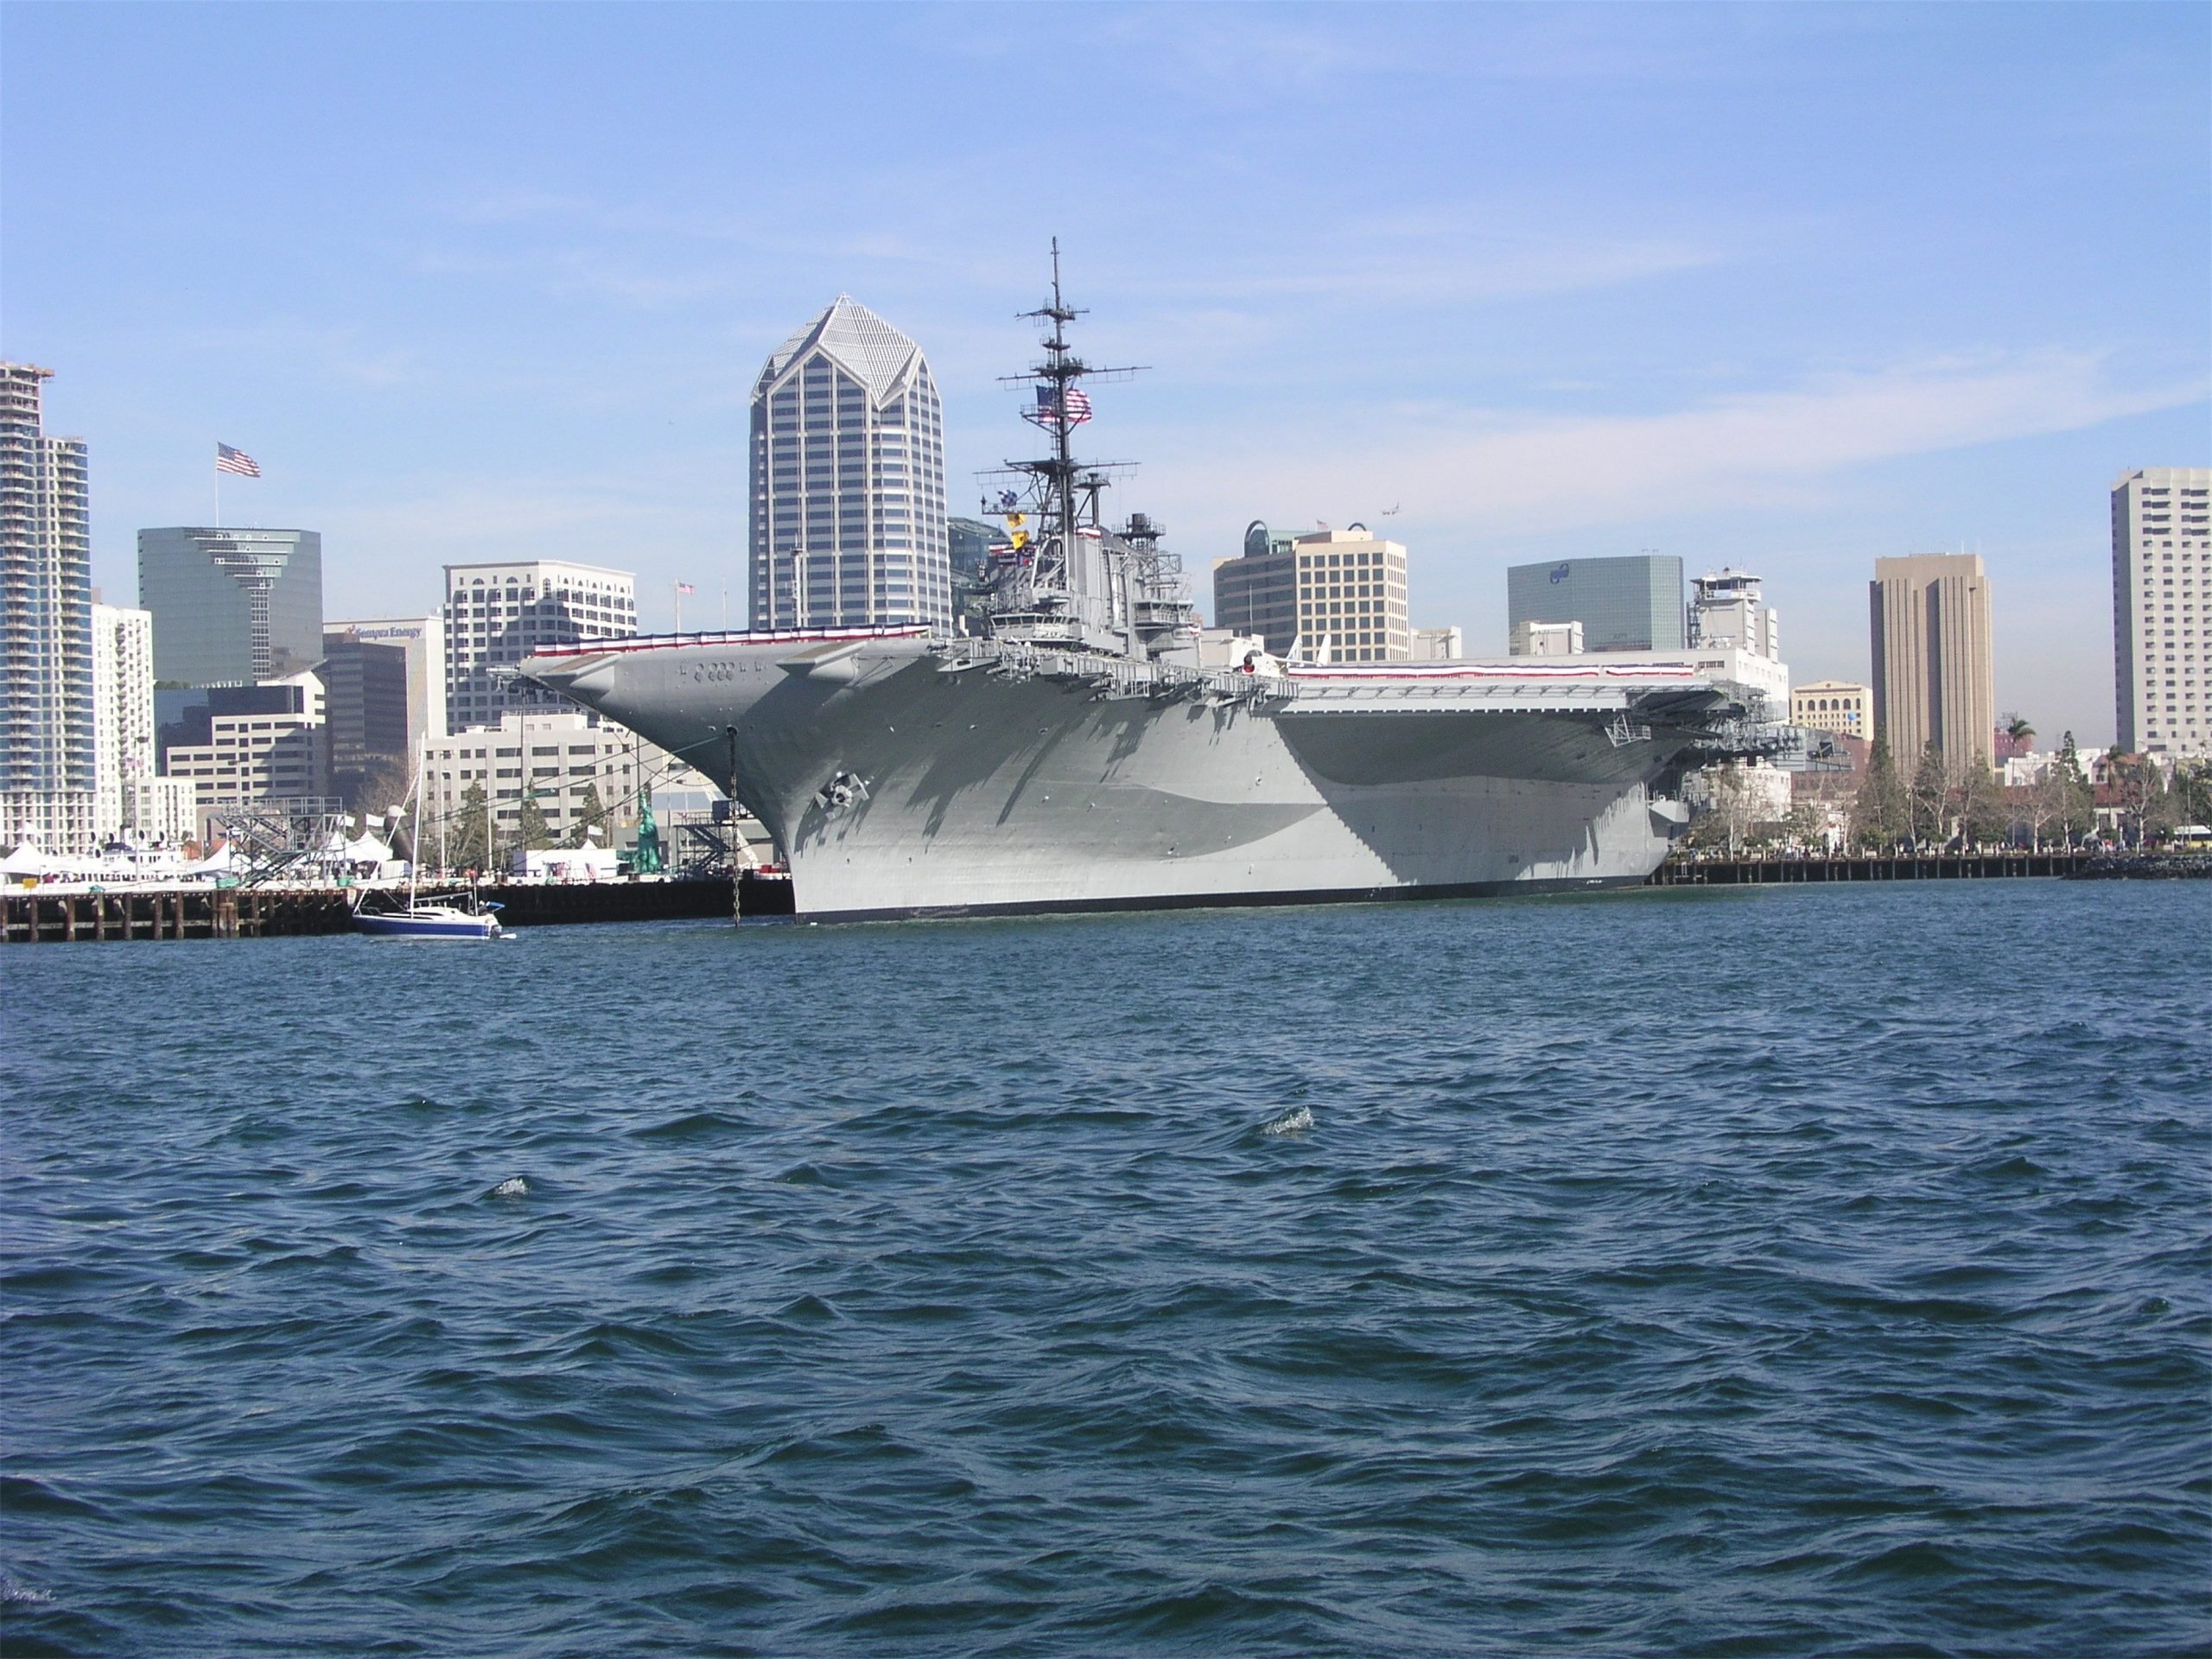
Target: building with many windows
x=2162, y=609
x=423, y=639
x=576, y=768
x=1335, y=595
x=1256, y=593
x=240, y=743
x=497, y=615
x=122, y=716
x=848, y=480
x=1934, y=679
x=1623, y=604
x=232, y=607
x=364, y=685
x=1841, y=706
x=47, y=764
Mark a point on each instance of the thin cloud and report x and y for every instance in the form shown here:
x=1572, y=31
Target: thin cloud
x=1508, y=473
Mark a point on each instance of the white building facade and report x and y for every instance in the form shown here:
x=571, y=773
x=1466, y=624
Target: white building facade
x=846, y=476
x=497, y=615
x=133, y=798
x=2162, y=609
x=1727, y=609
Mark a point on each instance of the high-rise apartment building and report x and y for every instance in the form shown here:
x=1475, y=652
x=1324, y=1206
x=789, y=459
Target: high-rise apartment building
x=2162, y=609
x=47, y=764
x=232, y=607
x=848, y=480
x=423, y=639
x=1623, y=604
x=123, y=709
x=1933, y=678
x=497, y=615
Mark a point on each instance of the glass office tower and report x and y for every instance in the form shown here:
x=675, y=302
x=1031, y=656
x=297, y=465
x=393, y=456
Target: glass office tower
x=232, y=607
x=1623, y=604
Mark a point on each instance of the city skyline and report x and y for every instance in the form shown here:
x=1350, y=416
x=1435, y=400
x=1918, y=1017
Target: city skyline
x=1785, y=290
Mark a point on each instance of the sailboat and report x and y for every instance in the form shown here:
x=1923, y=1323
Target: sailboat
x=427, y=919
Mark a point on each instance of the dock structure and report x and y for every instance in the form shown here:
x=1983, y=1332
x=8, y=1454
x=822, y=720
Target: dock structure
x=30, y=917
x=1884, y=867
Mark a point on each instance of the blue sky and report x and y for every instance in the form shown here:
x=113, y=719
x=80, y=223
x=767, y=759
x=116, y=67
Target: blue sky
x=1786, y=287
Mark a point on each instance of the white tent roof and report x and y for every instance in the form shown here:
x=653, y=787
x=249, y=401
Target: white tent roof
x=26, y=860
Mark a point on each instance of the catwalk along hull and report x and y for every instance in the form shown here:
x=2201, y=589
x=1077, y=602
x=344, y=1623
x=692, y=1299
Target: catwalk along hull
x=902, y=775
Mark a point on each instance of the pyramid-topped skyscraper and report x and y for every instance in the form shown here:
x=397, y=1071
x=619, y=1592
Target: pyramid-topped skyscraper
x=848, y=474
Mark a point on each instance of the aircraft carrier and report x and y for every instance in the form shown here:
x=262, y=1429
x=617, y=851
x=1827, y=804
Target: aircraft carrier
x=1075, y=755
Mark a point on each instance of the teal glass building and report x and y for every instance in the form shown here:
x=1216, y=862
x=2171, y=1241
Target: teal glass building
x=1623, y=604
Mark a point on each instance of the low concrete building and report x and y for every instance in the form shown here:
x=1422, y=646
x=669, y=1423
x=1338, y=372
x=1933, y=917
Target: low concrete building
x=1439, y=644
x=1843, y=706
x=1546, y=639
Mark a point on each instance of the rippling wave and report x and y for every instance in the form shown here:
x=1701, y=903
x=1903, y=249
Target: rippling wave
x=1804, y=1272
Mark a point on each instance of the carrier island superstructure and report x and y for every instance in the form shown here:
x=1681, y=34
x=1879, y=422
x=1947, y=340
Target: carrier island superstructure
x=1072, y=753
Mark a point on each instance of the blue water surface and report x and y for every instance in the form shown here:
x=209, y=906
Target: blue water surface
x=1818, y=1271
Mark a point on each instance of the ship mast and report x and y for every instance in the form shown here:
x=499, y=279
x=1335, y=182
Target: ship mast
x=1063, y=489
x=1070, y=581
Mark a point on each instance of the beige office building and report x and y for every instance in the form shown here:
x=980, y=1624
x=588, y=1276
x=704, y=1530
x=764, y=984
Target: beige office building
x=2162, y=609
x=1933, y=680
x=1352, y=597
x=1834, y=706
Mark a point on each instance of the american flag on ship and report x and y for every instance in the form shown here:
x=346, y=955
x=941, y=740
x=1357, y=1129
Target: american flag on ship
x=1048, y=406
x=228, y=460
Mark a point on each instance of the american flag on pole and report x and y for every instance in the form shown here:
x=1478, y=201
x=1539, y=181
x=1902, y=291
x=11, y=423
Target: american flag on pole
x=228, y=460
x=685, y=588
x=1049, y=401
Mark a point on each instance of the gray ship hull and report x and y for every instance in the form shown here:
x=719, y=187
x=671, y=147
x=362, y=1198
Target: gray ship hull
x=902, y=775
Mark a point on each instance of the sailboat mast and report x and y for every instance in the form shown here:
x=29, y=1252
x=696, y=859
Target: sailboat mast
x=414, y=841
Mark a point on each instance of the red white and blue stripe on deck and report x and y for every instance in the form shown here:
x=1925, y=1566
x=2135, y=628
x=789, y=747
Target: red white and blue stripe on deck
x=1546, y=673
x=731, y=637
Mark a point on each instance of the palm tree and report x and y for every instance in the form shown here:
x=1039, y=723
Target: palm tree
x=2017, y=727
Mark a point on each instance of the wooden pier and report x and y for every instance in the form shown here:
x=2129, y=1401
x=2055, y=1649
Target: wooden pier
x=28, y=917
x=1902, y=866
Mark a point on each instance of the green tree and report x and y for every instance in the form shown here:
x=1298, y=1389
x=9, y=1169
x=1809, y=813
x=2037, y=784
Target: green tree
x=1879, y=817
x=1984, y=815
x=467, y=837
x=2017, y=728
x=1929, y=797
x=1806, y=825
x=2192, y=791
x=2147, y=807
x=591, y=817
x=530, y=824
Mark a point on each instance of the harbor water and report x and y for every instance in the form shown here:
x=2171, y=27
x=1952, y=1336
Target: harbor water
x=1818, y=1271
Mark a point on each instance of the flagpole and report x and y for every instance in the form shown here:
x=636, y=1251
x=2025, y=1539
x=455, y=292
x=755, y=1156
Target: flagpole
x=675, y=593
x=219, y=490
